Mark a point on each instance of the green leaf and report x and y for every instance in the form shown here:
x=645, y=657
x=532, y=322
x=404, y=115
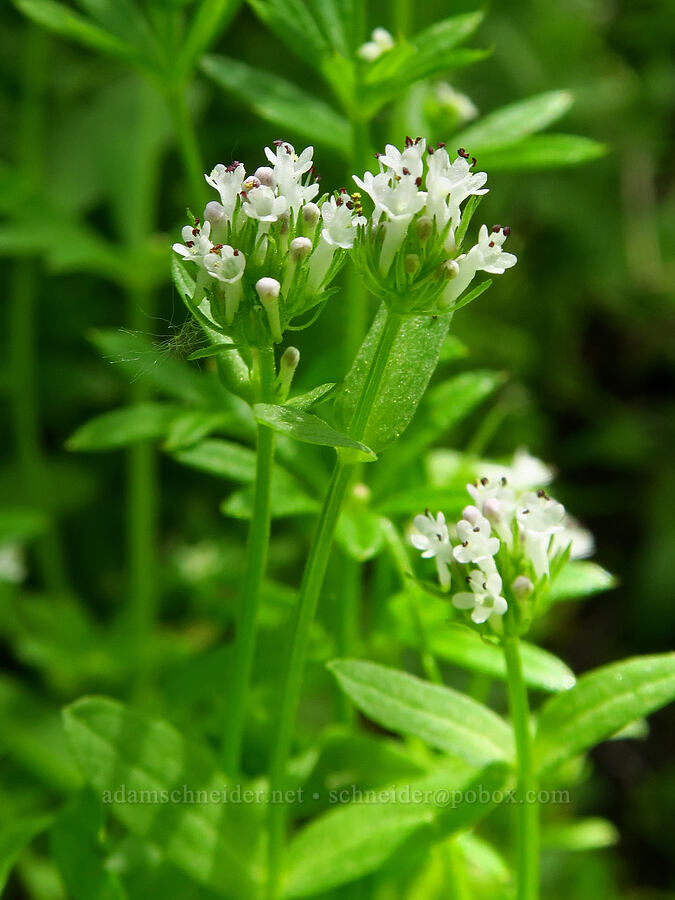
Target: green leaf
x=14, y=837
x=311, y=398
x=211, y=17
x=361, y=837
x=294, y=24
x=21, y=523
x=584, y=834
x=601, y=703
x=221, y=458
x=124, y=19
x=451, y=401
x=191, y=426
x=289, y=498
x=514, y=122
x=309, y=429
x=121, y=427
x=544, y=151
x=579, y=579
x=361, y=533
x=411, y=364
x=62, y=20
x=279, y=101
x=78, y=850
x=438, y=715
x=121, y=751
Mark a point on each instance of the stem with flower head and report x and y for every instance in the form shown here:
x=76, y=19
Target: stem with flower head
x=528, y=806
x=312, y=581
x=256, y=563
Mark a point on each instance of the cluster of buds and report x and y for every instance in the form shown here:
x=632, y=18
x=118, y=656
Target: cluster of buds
x=507, y=544
x=268, y=250
x=410, y=254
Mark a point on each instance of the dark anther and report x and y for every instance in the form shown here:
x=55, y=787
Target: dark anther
x=418, y=182
x=195, y=232
x=507, y=230
x=406, y=171
x=504, y=481
x=339, y=201
x=278, y=143
x=496, y=228
x=541, y=493
x=526, y=512
x=465, y=543
x=235, y=253
x=378, y=155
x=349, y=204
x=476, y=530
x=484, y=481
x=189, y=243
x=462, y=152
x=440, y=145
x=430, y=151
x=491, y=244
x=473, y=160
x=408, y=141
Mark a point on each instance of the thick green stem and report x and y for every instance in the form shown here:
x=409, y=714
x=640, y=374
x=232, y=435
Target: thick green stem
x=312, y=581
x=256, y=563
x=23, y=296
x=528, y=806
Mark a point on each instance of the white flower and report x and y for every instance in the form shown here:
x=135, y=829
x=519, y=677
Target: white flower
x=434, y=542
x=485, y=256
x=485, y=599
x=196, y=242
x=449, y=185
x=497, y=502
x=539, y=518
x=463, y=107
x=399, y=199
x=477, y=544
x=261, y=203
x=227, y=180
x=225, y=263
x=339, y=229
x=410, y=162
x=525, y=471
x=289, y=170
x=381, y=41
x=580, y=540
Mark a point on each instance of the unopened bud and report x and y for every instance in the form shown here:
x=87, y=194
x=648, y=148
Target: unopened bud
x=492, y=509
x=424, y=227
x=412, y=263
x=215, y=214
x=265, y=175
x=268, y=291
x=449, y=269
x=287, y=366
x=310, y=213
x=300, y=248
x=522, y=587
x=471, y=514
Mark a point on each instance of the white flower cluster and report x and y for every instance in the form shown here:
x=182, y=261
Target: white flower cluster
x=422, y=187
x=267, y=239
x=510, y=532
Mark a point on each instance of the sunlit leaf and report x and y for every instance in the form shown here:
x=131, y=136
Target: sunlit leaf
x=602, y=702
x=514, y=122
x=221, y=458
x=438, y=715
x=579, y=579
x=308, y=428
x=543, y=151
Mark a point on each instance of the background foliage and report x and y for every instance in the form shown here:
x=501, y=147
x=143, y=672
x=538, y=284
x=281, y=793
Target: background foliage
x=581, y=341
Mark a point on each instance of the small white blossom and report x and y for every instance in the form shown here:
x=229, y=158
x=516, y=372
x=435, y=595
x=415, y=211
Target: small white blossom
x=289, y=169
x=524, y=473
x=339, y=229
x=485, y=256
x=262, y=204
x=477, y=543
x=497, y=502
x=434, y=542
x=381, y=41
x=539, y=518
x=228, y=181
x=196, y=242
x=408, y=162
x=485, y=599
x=225, y=263
x=449, y=185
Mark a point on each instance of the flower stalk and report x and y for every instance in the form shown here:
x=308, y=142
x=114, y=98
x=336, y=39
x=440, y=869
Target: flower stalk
x=312, y=581
x=256, y=564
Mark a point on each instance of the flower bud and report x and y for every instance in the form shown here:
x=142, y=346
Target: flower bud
x=310, y=214
x=424, y=227
x=287, y=366
x=268, y=291
x=449, y=269
x=471, y=514
x=300, y=249
x=265, y=175
x=412, y=263
x=522, y=587
x=216, y=215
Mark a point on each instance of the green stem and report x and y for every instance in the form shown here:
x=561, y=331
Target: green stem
x=528, y=807
x=188, y=147
x=349, y=609
x=312, y=581
x=24, y=286
x=256, y=563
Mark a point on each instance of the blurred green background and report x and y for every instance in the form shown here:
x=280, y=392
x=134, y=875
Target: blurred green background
x=584, y=331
